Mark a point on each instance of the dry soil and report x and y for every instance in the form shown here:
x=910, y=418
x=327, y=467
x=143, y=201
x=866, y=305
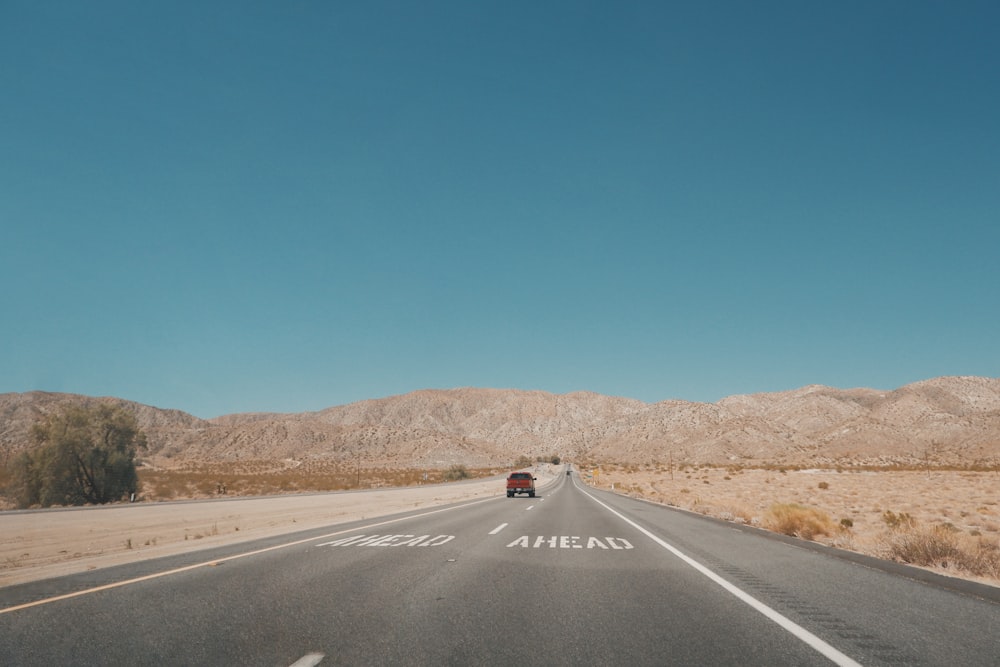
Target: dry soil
x=40, y=544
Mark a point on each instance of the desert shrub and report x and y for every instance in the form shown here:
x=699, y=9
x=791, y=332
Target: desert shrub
x=923, y=546
x=250, y=478
x=456, y=472
x=943, y=547
x=798, y=520
x=736, y=514
x=984, y=559
x=847, y=523
x=898, y=521
x=824, y=485
x=206, y=487
x=523, y=462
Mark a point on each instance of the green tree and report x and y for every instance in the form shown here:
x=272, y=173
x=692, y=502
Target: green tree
x=83, y=456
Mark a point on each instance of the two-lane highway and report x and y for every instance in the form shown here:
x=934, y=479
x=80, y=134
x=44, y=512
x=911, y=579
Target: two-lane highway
x=573, y=576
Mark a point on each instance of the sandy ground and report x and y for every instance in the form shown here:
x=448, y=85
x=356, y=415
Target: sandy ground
x=41, y=544
x=48, y=543
x=969, y=502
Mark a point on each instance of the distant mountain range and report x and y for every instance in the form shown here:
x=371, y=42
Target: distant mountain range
x=943, y=421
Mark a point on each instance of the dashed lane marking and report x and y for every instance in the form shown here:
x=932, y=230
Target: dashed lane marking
x=217, y=561
x=498, y=529
x=308, y=660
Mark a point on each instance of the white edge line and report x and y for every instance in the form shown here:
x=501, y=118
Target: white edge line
x=309, y=660
x=792, y=627
x=217, y=561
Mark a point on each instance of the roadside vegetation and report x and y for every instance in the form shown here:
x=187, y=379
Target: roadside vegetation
x=941, y=546
x=525, y=461
x=82, y=456
x=798, y=520
x=258, y=478
x=943, y=518
x=455, y=473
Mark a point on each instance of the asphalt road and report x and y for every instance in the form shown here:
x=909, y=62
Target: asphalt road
x=571, y=577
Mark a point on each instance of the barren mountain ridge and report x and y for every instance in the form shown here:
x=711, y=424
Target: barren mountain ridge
x=942, y=421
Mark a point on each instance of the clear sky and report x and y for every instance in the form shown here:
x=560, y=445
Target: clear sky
x=281, y=206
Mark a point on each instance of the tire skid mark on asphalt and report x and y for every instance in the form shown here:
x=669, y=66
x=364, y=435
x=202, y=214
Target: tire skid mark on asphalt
x=217, y=561
x=796, y=630
x=860, y=637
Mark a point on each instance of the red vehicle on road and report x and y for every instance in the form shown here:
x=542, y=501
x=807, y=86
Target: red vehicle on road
x=520, y=482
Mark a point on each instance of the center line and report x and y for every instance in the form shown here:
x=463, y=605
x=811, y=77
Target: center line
x=498, y=529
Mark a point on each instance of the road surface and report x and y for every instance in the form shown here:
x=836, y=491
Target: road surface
x=572, y=577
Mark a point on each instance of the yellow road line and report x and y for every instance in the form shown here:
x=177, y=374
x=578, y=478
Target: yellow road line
x=218, y=561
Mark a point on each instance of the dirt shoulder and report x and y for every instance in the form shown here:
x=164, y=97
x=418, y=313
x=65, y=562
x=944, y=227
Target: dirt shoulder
x=49, y=543
x=962, y=506
x=951, y=518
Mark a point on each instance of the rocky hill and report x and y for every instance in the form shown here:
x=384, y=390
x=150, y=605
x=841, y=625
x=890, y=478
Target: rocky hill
x=948, y=420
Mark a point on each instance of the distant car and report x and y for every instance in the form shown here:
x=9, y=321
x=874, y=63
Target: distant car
x=567, y=473
x=520, y=482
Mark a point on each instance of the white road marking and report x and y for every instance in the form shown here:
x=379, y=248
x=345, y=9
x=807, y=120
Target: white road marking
x=217, y=561
x=308, y=660
x=389, y=541
x=571, y=542
x=529, y=507
x=790, y=626
x=498, y=529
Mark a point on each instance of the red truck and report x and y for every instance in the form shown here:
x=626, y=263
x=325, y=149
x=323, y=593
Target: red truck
x=520, y=482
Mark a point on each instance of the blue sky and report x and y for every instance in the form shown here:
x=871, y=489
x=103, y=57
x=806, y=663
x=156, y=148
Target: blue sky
x=244, y=206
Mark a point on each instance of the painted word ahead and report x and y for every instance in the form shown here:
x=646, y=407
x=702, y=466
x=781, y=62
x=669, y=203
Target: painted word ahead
x=571, y=542
x=390, y=541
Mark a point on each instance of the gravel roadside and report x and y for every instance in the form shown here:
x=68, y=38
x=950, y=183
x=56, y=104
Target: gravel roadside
x=40, y=544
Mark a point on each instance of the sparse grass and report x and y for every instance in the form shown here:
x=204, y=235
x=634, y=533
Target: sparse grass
x=897, y=521
x=456, y=473
x=876, y=508
x=257, y=478
x=942, y=546
x=798, y=520
x=736, y=514
x=10, y=563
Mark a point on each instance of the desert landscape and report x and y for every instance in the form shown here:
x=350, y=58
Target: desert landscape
x=39, y=545
x=908, y=474
x=944, y=520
